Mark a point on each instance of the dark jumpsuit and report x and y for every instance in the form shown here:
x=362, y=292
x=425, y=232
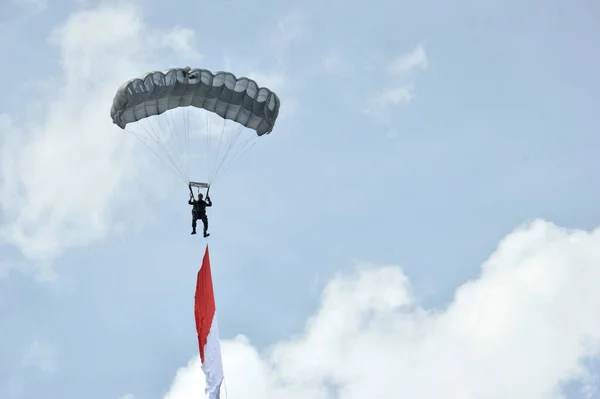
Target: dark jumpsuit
x=199, y=212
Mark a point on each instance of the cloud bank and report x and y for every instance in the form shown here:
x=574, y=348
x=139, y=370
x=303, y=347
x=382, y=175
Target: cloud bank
x=523, y=329
x=68, y=174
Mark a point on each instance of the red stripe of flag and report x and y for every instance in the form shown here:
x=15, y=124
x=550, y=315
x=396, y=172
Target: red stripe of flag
x=204, y=306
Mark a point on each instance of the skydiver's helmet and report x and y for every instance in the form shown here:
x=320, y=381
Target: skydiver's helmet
x=200, y=196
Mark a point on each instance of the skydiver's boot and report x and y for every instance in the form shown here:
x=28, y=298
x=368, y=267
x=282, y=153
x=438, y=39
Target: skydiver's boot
x=194, y=231
x=206, y=234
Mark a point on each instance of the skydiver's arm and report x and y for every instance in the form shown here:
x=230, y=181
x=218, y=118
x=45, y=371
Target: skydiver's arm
x=208, y=201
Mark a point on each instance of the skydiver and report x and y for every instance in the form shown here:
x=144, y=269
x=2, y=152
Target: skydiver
x=199, y=212
x=186, y=72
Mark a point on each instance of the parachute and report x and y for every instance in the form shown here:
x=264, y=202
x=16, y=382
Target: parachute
x=156, y=109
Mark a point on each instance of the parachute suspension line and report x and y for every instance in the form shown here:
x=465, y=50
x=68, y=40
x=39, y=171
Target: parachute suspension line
x=208, y=145
x=165, y=125
x=141, y=139
x=174, y=141
x=212, y=169
x=187, y=138
x=253, y=140
x=217, y=164
x=228, y=151
x=161, y=142
x=168, y=143
x=183, y=144
x=239, y=155
x=151, y=132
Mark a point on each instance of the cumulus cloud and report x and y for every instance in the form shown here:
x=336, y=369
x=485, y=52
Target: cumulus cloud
x=399, y=84
x=65, y=174
x=392, y=96
x=522, y=329
x=416, y=59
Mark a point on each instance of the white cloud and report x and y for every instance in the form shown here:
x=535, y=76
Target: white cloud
x=390, y=96
x=65, y=175
x=399, y=85
x=42, y=355
x=416, y=59
x=181, y=41
x=520, y=330
x=394, y=81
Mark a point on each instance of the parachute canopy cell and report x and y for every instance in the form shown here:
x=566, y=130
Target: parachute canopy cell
x=240, y=100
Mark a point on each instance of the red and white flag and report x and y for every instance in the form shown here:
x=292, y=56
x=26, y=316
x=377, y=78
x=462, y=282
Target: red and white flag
x=208, y=330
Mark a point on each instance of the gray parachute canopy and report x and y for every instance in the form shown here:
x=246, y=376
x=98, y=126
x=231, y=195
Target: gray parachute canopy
x=156, y=109
x=240, y=100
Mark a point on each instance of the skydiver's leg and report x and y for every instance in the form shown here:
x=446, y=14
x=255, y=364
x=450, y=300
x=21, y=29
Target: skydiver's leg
x=194, y=218
x=205, y=223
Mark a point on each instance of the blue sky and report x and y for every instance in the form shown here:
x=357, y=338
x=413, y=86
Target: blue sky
x=379, y=241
